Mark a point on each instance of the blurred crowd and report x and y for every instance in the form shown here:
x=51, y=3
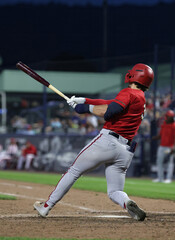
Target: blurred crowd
x=163, y=102
x=62, y=119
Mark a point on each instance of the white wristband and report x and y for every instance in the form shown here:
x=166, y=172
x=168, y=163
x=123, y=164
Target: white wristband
x=91, y=107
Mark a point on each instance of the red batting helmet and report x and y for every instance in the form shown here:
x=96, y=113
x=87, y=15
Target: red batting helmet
x=169, y=113
x=140, y=73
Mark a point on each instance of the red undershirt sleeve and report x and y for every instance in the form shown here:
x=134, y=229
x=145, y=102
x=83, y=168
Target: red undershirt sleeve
x=123, y=98
x=98, y=101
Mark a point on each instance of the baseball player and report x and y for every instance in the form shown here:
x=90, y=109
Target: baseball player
x=113, y=146
x=167, y=143
x=28, y=153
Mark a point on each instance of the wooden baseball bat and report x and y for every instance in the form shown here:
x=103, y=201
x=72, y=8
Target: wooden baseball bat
x=38, y=78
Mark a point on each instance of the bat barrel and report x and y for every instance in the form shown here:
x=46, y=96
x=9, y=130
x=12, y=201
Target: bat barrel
x=31, y=73
x=38, y=78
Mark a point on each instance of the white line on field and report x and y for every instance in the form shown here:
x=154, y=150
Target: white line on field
x=79, y=207
x=16, y=185
x=112, y=216
x=59, y=216
x=7, y=184
x=42, y=199
x=23, y=186
x=21, y=196
x=76, y=206
x=163, y=213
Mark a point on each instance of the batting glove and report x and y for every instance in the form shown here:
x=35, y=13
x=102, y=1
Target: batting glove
x=71, y=102
x=78, y=100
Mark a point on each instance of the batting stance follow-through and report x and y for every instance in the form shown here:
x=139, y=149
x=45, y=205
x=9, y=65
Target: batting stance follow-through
x=113, y=146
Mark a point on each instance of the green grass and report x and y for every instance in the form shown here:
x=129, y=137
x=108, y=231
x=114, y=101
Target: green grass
x=147, y=189
x=134, y=187
x=42, y=178
x=7, y=197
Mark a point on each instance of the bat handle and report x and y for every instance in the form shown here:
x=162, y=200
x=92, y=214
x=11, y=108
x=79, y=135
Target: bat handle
x=58, y=92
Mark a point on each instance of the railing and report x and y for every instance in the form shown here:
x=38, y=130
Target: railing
x=56, y=152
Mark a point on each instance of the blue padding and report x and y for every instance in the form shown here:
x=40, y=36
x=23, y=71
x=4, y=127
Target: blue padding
x=82, y=108
x=113, y=109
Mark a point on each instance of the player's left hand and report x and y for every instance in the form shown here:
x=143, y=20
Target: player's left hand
x=71, y=102
x=78, y=100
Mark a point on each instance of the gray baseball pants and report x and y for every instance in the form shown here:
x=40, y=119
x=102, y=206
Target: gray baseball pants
x=162, y=152
x=103, y=149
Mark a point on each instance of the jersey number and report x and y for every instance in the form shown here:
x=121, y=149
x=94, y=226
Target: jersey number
x=142, y=116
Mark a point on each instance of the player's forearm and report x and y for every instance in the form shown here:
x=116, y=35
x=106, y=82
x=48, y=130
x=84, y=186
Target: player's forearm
x=99, y=110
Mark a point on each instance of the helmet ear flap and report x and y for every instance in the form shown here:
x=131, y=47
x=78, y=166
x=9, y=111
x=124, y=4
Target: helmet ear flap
x=140, y=73
x=128, y=76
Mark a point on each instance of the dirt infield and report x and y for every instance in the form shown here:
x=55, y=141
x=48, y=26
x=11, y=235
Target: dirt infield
x=81, y=214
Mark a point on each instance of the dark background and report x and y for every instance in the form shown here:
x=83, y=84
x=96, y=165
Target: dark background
x=54, y=32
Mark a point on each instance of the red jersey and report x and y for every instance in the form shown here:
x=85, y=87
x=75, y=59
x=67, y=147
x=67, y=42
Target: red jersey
x=167, y=134
x=128, y=121
x=29, y=150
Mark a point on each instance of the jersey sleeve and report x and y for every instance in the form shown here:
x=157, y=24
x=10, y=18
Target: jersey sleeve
x=123, y=97
x=98, y=101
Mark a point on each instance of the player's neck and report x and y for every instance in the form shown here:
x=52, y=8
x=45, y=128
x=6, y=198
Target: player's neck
x=133, y=86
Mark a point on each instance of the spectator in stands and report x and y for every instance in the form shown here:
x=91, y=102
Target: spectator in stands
x=82, y=124
x=56, y=124
x=92, y=120
x=149, y=104
x=165, y=150
x=74, y=120
x=167, y=101
x=28, y=154
x=18, y=123
x=145, y=127
x=8, y=158
x=91, y=130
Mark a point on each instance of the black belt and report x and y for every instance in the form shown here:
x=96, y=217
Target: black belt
x=117, y=136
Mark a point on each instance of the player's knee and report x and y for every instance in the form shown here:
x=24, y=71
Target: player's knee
x=111, y=195
x=114, y=195
x=74, y=172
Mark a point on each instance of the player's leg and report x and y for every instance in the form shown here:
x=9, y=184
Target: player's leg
x=95, y=153
x=29, y=158
x=115, y=176
x=170, y=169
x=159, y=161
x=20, y=162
